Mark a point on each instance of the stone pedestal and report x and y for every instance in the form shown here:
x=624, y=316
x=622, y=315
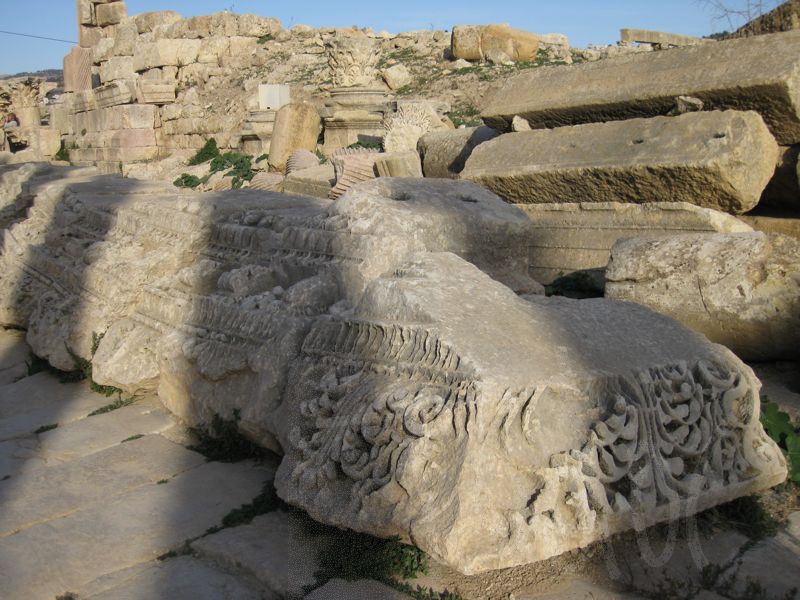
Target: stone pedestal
x=354, y=115
x=256, y=134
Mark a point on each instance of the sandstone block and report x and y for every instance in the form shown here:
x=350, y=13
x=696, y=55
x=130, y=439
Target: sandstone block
x=110, y=14
x=316, y=182
x=720, y=160
x=758, y=73
x=88, y=36
x=125, y=38
x=78, y=70
x=297, y=127
x=740, y=289
x=86, y=13
x=445, y=152
x=568, y=238
x=477, y=42
x=256, y=26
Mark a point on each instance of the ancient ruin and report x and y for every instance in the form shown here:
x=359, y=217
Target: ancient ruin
x=480, y=293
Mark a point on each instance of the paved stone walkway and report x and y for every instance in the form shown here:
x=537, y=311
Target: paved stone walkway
x=88, y=504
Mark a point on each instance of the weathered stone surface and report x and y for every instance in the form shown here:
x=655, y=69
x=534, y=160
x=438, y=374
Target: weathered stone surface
x=757, y=73
x=479, y=42
x=720, y=160
x=14, y=355
x=774, y=221
x=301, y=159
x=115, y=93
x=78, y=70
x=136, y=527
x=275, y=549
x=297, y=127
x=353, y=61
x=316, y=182
x=405, y=127
x=148, y=21
x=739, y=289
x=118, y=67
x=444, y=153
x=182, y=578
x=47, y=493
x=357, y=338
x=110, y=13
x=165, y=52
x=399, y=164
x=659, y=38
x=151, y=92
x=352, y=169
x=74, y=440
x=573, y=237
x=396, y=76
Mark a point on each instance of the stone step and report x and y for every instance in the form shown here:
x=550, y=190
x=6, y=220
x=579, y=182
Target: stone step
x=181, y=578
x=93, y=434
x=42, y=400
x=18, y=453
x=42, y=494
x=63, y=555
x=275, y=549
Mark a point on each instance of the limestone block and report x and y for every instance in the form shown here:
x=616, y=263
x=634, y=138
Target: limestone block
x=315, y=182
x=477, y=42
x=395, y=366
x=659, y=38
x=396, y=76
x=257, y=26
x=405, y=127
x=739, y=289
x=110, y=14
x=88, y=37
x=272, y=97
x=572, y=237
x=211, y=49
x=445, y=152
x=399, y=164
x=297, y=127
x=103, y=50
x=125, y=38
x=84, y=100
x=352, y=169
x=301, y=159
x=148, y=21
x=165, y=52
x=758, y=73
x=155, y=92
x=115, y=93
x=78, y=70
x=720, y=160
x=118, y=67
x=86, y=13
x=133, y=138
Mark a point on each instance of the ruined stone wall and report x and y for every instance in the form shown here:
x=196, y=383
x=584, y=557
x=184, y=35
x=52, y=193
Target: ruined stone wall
x=785, y=17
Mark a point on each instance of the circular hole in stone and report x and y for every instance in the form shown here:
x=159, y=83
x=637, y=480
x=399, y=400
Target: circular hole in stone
x=719, y=136
x=638, y=141
x=468, y=199
x=401, y=196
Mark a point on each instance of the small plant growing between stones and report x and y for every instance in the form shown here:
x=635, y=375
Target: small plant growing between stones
x=62, y=154
x=779, y=427
x=45, y=428
x=367, y=145
x=138, y=436
x=189, y=181
x=117, y=404
x=84, y=367
x=208, y=152
x=266, y=38
x=222, y=441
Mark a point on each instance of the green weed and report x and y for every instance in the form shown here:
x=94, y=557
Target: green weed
x=44, y=428
x=222, y=441
x=206, y=153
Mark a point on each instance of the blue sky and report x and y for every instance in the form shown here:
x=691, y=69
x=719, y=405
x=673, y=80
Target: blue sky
x=584, y=21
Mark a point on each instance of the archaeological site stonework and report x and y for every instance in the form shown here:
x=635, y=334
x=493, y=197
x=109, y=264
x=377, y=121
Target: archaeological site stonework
x=479, y=291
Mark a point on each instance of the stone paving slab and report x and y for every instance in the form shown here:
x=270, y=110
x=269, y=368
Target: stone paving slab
x=182, y=578
x=93, y=434
x=15, y=454
x=63, y=555
x=274, y=549
x=14, y=353
x=41, y=400
x=42, y=494
x=578, y=589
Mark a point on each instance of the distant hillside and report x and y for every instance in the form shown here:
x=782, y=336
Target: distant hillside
x=56, y=75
